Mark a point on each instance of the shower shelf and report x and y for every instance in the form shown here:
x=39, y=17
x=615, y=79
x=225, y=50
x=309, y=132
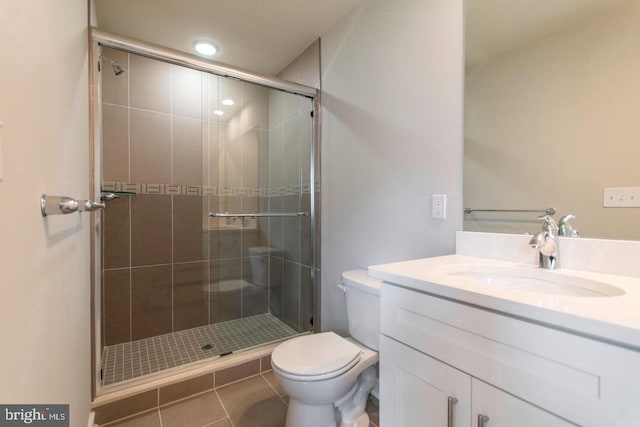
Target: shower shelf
x=255, y=215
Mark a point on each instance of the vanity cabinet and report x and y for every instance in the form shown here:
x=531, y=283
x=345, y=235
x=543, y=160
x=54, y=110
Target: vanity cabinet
x=516, y=372
x=421, y=391
x=418, y=390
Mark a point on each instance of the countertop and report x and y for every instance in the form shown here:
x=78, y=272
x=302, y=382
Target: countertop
x=612, y=319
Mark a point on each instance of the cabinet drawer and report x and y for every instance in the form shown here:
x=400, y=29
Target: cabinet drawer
x=583, y=380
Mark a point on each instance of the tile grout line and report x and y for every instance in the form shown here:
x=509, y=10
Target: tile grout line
x=274, y=389
x=118, y=421
x=224, y=408
x=146, y=110
x=236, y=381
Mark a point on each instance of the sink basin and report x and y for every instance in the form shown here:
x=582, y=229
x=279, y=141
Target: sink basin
x=532, y=280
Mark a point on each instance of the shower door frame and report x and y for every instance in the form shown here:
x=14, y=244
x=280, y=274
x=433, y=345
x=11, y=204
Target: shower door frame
x=99, y=38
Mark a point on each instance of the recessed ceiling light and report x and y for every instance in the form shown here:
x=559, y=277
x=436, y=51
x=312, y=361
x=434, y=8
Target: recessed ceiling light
x=227, y=101
x=218, y=112
x=205, y=47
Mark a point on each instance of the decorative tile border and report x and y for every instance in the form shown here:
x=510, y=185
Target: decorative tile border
x=197, y=190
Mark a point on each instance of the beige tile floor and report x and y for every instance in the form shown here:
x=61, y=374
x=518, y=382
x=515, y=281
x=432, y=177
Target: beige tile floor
x=256, y=401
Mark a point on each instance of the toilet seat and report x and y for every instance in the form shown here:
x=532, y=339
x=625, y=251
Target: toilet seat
x=315, y=357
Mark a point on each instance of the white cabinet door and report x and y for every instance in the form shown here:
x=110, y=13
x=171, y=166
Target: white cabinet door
x=415, y=389
x=505, y=410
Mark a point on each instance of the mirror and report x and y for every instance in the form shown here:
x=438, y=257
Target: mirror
x=552, y=114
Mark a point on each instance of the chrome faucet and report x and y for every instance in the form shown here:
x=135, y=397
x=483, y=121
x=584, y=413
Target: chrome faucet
x=565, y=228
x=545, y=242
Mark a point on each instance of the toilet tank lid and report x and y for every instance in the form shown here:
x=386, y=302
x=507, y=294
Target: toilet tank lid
x=360, y=280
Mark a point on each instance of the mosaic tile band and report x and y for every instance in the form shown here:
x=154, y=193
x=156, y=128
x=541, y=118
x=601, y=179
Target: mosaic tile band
x=197, y=190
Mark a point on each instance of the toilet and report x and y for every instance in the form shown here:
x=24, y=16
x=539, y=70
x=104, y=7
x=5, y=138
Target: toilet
x=327, y=377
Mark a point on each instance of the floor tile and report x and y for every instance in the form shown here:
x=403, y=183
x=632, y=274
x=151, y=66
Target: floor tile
x=271, y=379
x=194, y=412
x=253, y=403
x=150, y=419
x=224, y=423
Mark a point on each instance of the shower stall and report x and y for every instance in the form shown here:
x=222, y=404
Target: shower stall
x=207, y=246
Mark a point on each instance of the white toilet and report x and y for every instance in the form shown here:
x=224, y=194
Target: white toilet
x=328, y=378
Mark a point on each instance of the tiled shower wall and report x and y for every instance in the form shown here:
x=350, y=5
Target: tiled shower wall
x=167, y=267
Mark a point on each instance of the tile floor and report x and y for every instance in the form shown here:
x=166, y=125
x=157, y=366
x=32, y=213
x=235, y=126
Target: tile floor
x=257, y=401
x=134, y=359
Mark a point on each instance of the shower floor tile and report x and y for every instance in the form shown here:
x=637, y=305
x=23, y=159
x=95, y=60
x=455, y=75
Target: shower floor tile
x=134, y=359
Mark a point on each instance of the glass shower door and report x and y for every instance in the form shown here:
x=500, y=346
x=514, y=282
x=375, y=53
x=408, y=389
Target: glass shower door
x=180, y=285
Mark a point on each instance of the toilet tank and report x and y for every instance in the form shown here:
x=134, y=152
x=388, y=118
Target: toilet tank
x=362, y=296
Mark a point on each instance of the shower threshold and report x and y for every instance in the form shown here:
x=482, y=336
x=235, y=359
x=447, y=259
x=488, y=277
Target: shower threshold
x=126, y=361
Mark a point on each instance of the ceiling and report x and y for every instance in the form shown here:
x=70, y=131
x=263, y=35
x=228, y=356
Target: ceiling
x=494, y=27
x=258, y=35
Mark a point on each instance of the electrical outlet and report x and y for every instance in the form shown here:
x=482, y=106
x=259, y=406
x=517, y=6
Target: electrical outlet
x=612, y=198
x=633, y=197
x=621, y=197
x=439, y=206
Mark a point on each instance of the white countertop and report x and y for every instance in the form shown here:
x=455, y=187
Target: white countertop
x=614, y=319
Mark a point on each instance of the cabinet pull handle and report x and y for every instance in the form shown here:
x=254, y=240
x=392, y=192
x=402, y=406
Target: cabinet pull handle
x=482, y=419
x=450, y=402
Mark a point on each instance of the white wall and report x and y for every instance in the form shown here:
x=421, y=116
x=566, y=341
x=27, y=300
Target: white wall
x=392, y=76
x=555, y=122
x=44, y=263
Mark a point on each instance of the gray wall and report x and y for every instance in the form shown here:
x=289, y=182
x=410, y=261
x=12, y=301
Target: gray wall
x=392, y=78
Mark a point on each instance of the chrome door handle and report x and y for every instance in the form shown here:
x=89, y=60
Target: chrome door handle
x=450, y=402
x=482, y=419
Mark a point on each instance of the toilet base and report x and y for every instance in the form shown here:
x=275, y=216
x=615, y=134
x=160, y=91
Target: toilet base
x=361, y=421
x=304, y=415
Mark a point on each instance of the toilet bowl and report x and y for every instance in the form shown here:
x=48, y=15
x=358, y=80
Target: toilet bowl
x=327, y=377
